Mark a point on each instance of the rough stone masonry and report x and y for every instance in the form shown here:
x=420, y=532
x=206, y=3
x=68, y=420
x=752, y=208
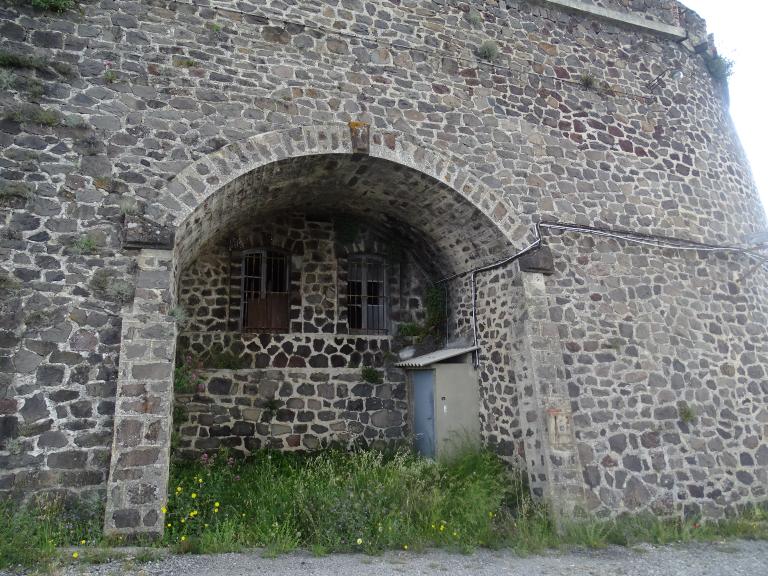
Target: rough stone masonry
x=142, y=141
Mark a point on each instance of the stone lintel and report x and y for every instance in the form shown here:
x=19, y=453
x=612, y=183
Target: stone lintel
x=141, y=232
x=539, y=261
x=666, y=30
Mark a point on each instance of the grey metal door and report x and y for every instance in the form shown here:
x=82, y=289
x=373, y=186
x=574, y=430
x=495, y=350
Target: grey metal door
x=423, y=382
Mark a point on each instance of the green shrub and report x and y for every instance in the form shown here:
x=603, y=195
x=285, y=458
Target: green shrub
x=720, y=68
x=488, y=50
x=186, y=376
x=371, y=375
x=588, y=81
x=184, y=63
x=84, y=245
x=410, y=329
x=14, y=193
x=53, y=5
x=10, y=59
x=108, y=284
x=34, y=114
x=474, y=17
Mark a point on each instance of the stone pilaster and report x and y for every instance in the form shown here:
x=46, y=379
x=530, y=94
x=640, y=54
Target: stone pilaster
x=138, y=475
x=551, y=453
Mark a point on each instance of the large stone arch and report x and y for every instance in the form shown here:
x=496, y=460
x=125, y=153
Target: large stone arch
x=142, y=427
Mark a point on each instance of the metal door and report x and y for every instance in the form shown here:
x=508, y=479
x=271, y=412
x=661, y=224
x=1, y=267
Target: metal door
x=423, y=382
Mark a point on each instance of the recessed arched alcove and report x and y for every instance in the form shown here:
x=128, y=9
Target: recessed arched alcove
x=303, y=198
x=300, y=274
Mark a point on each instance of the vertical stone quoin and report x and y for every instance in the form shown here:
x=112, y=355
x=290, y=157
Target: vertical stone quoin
x=553, y=460
x=138, y=475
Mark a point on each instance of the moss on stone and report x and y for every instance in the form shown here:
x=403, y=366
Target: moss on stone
x=34, y=114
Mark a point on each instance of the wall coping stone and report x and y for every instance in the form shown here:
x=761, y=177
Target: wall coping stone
x=674, y=32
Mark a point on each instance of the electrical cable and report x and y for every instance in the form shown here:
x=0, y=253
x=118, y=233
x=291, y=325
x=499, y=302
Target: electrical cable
x=652, y=240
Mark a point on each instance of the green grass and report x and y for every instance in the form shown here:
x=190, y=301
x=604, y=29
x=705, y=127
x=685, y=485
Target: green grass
x=335, y=501
x=30, y=535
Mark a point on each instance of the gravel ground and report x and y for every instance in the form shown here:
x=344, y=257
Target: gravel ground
x=732, y=558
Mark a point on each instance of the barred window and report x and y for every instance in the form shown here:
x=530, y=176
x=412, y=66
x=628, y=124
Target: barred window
x=265, y=291
x=366, y=295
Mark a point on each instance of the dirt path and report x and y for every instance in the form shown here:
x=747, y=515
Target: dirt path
x=733, y=558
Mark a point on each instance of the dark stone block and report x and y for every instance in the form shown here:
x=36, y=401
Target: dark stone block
x=306, y=390
x=34, y=409
x=71, y=459
x=219, y=431
x=48, y=375
x=126, y=518
x=318, y=361
x=618, y=443
x=9, y=428
x=665, y=413
x=54, y=439
x=138, y=457
x=243, y=429
x=364, y=390
x=219, y=386
x=81, y=409
x=632, y=463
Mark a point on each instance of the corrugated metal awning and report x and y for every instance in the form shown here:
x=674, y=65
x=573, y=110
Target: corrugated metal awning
x=433, y=357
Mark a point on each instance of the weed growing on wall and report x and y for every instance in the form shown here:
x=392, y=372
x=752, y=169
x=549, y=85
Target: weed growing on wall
x=34, y=114
x=187, y=375
x=53, y=5
x=488, y=50
x=84, y=245
x=720, y=68
x=371, y=375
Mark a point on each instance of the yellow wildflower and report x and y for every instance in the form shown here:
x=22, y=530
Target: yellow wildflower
x=183, y=520
x=359, y=541
x=82, y=542
x=183, y=538
x=216, y=504
x=194, y=495
x=405, y=546
x=442, y=528
x=216, y=511
x=164, y=510
x=75, y=555
x=169, y=524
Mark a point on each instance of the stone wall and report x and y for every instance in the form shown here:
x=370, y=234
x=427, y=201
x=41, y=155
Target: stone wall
x=666, y=375
x=188, y=114
x=303, y=389
x=298, y=409
x=500, y=305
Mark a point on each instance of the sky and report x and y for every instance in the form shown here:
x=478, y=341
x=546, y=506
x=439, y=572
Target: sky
x=739, y=29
